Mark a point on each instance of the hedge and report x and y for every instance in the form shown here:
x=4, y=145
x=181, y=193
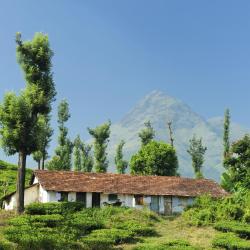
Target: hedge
x=231, y=241
x=242, y=229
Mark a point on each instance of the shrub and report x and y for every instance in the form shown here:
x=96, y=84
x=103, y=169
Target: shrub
x=206, y=210
x=175, y=244
x=242, y=229
x=54, y=208
x=231, y=241
x=93, y=243
x=140, y=229
x=6, y=245
x=116, y=236
x=84, y=224
x=52, y=220
x=29, y=239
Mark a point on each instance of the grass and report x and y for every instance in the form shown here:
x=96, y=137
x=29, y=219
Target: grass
x=169, y=229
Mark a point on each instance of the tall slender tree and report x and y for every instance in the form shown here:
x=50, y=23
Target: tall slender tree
x=101, y=136
x=120, y=163
x=19, y=114
x=63, y=152
x=197, y=151
x=226, y=137
x=87, y=159
x=171, y=134
x=77, y=153
x=147, y=134
x=44, y=138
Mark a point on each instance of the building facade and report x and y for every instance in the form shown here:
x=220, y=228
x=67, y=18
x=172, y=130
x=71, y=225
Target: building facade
x=162, y=194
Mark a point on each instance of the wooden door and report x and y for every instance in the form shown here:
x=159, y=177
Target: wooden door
x=167, y=205
x=154, y=205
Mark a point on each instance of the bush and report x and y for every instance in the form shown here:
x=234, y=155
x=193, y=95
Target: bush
x=231, y=241
x=116, y=236
x=242, y=229
x=6, y=245
x=139, y=229
x=93, y=243
x=175, y=244
x=54, y=208
x=84, y=224
x=206, y=211
x=52, y=220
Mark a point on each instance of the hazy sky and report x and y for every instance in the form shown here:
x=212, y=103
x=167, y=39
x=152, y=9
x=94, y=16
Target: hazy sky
x=110, y=53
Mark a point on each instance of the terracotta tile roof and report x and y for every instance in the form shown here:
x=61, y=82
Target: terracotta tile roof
x=69, y=181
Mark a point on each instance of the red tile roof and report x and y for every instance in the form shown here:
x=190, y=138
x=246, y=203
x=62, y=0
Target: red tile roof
x=69, y=181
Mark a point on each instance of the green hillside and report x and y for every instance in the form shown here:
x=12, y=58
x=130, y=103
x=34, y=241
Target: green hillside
x=8, y=174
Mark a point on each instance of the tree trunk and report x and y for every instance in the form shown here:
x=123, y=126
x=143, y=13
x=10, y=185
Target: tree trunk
x=20, y=182
x=43, y=160
x=39, y=164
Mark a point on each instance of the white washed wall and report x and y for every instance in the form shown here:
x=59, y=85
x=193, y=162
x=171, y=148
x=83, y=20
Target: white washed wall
x=30, y=196
x=88, y=200
x=179, y=203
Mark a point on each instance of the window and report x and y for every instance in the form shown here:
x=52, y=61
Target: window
x=64, y=196
x=81, y=197
x=139, y=200
x=113, y=197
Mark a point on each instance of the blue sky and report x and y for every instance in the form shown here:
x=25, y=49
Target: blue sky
x=109, y=54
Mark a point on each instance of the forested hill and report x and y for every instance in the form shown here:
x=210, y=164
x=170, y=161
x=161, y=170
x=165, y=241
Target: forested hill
x=160, y=108
x=8, y=174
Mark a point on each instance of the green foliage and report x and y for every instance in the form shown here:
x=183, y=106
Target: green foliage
x=66, y=226
x=175, y=244
x=7, y=245
x=101, y=135
x=62, y=158
x=238, y=165
x=197, y=151
x=147, y=134
x=120, y=163
x=51, y=220
x=18, y=126
x=8, y=176
x=137, y=228
x=19, y=115
x=93, y=243
x=34, y=57
x=155, y=158
x=206, y=211
x=226, y=141
x=77, y=153
x=231, y=241
x=115, y=236
x=241, y=229
x=44, y=137
x=53, y=208
x=87, y=159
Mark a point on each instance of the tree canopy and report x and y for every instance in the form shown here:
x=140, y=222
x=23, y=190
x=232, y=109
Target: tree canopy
x=120, y=163
x=147, y=134
x=63, y=153
x=155, y=158
x=238, y=165
x=100, y=135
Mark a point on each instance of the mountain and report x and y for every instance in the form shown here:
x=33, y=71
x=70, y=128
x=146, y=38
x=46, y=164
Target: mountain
x=160, y=109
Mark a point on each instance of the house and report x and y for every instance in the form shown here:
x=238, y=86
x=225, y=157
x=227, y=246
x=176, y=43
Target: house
x=162, y=194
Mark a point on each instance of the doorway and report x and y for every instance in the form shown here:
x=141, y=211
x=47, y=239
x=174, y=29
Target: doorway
x=96, y=199
x=154, y=205
x=167, y=205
